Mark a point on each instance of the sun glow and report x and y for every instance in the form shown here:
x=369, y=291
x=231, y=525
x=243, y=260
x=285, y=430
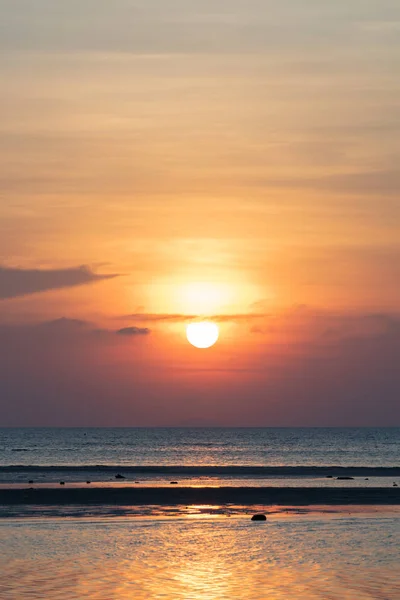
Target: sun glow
x=205, y=298
x=203, y=334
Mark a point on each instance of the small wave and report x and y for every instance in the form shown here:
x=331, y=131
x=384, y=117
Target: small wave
x=198, y=470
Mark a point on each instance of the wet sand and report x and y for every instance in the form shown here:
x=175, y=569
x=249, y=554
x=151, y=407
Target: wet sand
x=267, y=496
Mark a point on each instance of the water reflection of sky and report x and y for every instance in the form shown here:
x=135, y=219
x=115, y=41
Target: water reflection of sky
x=301, y=557
x=79, y=480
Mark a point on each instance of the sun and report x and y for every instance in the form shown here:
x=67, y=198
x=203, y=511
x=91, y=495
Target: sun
x=203, y=334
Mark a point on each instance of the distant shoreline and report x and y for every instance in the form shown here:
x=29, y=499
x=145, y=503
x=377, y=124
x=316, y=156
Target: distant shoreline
x=267, y=496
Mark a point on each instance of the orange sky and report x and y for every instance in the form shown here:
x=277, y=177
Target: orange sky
x=236, y=160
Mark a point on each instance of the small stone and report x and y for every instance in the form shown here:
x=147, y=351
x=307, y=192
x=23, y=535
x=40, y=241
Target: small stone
x=173, y=482
x=62, y=482
x=258, y=517
x=329, y=476
x=119, y=476
x=88, y=482
x=343, y=477
x=395, y=484
x=366, y=479
x=30, y=481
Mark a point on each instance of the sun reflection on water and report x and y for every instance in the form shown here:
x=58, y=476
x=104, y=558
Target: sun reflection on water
x=207, y=559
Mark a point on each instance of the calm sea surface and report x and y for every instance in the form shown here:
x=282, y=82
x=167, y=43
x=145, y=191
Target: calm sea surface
x=201, y=446
x=301, y=557
x=149, y=454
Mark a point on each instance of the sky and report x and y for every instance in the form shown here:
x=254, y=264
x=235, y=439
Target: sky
x=165, y=162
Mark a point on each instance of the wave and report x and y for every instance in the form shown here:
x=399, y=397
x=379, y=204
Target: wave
x=210, y=470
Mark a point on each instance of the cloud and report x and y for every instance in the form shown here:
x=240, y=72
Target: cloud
x=182, y=26
x=159, y=317
x=60, y=373
x=62, y=330
x=238, y=317
x=64, y=324
x=133, y=331
x=56, y=329
x=361, y=326
x=181, y=318
x=300, y=321
x=22, y=282
x=383, y=182
x=363, y=182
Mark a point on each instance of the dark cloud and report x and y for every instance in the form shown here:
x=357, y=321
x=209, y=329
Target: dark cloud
x=22, y=282
x=62, y=330
x=133, y=331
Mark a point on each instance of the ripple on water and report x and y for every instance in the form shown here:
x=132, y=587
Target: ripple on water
x=352, y=558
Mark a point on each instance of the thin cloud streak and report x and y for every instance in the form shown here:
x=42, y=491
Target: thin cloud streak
x=129, y=331
x=182, y=318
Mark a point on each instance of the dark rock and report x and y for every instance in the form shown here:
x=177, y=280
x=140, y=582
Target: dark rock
x=119, y=476
x=259, y=517
x=88, y=482
x=173, y=482
x=344, y=477
x=366, y=479
x=30, y=481
x=395, y=484
x=62, y=482
x=329, y=476
x=137, y=481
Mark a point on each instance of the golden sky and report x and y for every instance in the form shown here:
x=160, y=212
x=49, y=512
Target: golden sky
x=231, y=159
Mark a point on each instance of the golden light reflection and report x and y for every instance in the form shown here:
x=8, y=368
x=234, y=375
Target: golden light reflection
x=208, y=559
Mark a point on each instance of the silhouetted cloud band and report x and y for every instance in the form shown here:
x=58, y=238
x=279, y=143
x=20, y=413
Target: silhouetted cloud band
x=22, y=282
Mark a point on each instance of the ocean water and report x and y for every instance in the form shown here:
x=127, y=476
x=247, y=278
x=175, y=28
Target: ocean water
x=198, y=552
x=297, y=557
x=201, y=446
x=210, y=456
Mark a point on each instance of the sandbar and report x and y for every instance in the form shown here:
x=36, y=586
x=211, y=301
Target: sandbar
x=267, y=496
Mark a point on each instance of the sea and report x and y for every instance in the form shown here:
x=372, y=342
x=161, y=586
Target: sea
x=200, y=552
x=209, y=456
